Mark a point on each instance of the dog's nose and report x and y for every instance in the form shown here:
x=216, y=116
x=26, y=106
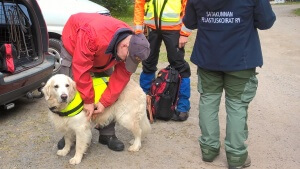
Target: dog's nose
x=64, y=97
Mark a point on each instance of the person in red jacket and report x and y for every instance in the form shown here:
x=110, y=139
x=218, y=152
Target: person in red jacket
x=97, y=44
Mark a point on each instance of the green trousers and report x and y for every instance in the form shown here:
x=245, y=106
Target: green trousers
x=240, y=88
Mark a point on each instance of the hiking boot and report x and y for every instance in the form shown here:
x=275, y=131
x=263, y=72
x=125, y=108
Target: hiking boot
x=246, y=164
x=180, y=116
x=112, y=142
x=61, y=143
x=209, y=153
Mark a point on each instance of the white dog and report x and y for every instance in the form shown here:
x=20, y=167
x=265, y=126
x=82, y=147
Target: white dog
x=129, y=111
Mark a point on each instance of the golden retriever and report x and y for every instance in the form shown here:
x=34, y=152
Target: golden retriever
x=129, y=111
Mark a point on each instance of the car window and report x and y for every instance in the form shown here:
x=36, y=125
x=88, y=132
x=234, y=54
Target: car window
x=17, y=29
x=11, y=13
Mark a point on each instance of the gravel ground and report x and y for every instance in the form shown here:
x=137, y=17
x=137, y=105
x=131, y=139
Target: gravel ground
x=27, y=140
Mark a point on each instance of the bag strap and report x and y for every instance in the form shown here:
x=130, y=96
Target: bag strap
x=149, y=108
x=175, y=76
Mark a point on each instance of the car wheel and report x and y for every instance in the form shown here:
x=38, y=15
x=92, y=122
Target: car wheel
x=54, y=50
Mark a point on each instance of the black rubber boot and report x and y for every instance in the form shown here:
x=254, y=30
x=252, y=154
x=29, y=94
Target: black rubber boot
x=61, y=143
x=112, y=142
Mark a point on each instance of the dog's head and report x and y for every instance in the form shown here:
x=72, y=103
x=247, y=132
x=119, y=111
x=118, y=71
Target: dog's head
x=59, y=90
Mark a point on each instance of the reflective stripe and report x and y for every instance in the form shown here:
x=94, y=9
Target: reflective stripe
x=185, y=29
x=172, y=17
x=139, y=27
x=152, y=22
x=169, y=17
x=149, y=16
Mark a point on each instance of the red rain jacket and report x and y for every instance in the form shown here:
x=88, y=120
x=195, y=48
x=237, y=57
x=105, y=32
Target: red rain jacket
x=89, y=38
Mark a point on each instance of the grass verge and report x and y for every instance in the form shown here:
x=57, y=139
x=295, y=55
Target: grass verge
x=297, y=11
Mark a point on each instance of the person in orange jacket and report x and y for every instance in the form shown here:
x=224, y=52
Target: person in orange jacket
x=91, y=46
x=161, y=21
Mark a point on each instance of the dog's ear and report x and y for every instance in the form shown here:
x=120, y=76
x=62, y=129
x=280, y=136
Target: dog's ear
x=46, y=89
x=73, y=88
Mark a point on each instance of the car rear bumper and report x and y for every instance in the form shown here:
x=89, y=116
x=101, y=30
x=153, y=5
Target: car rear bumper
x=18, y=85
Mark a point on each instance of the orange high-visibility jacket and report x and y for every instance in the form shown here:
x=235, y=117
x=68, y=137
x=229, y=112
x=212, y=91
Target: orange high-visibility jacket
x=141, y=9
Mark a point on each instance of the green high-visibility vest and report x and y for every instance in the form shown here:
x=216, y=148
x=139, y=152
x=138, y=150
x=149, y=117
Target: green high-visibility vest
x=76, y=105
x=170, y=13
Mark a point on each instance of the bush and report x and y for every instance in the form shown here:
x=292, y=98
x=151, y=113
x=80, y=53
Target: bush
x=116, y=7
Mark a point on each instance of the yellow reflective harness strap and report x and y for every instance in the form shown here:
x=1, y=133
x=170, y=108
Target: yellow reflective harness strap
x=76, y=105
x=100, y=85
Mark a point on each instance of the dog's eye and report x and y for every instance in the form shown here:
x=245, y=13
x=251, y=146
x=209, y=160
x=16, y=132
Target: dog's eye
x=67, y=85
x=56, y=86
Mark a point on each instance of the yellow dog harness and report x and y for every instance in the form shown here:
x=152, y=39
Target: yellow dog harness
x=76, y=105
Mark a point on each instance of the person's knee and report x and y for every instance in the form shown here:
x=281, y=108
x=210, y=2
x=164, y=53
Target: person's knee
x=149, y=67
x=184, y=70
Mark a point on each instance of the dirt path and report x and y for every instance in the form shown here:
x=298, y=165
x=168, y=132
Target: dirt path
x=28, y=141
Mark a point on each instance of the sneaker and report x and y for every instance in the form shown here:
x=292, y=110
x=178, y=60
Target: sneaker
x=246, y=164
x=112, y=142
x=180, y=116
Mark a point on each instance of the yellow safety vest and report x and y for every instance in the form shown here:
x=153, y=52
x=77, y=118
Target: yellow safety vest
x=76, y=105
x=170, y=13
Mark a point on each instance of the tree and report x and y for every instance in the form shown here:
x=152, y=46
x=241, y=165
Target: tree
x=115, y=6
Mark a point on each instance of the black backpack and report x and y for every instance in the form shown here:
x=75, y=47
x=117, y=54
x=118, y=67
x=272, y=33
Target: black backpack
x=163, y=95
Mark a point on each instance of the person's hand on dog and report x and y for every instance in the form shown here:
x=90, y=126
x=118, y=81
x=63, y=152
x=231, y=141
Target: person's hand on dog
x=89, y=110
x=98, y=110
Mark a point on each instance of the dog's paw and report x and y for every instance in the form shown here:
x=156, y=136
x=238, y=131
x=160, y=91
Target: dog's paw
x=75, y=161
x=62, y=152
x=134, y=148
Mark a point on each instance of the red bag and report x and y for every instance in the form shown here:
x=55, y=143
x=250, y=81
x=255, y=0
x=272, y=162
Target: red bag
x=7, y=54
x=163, y=96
